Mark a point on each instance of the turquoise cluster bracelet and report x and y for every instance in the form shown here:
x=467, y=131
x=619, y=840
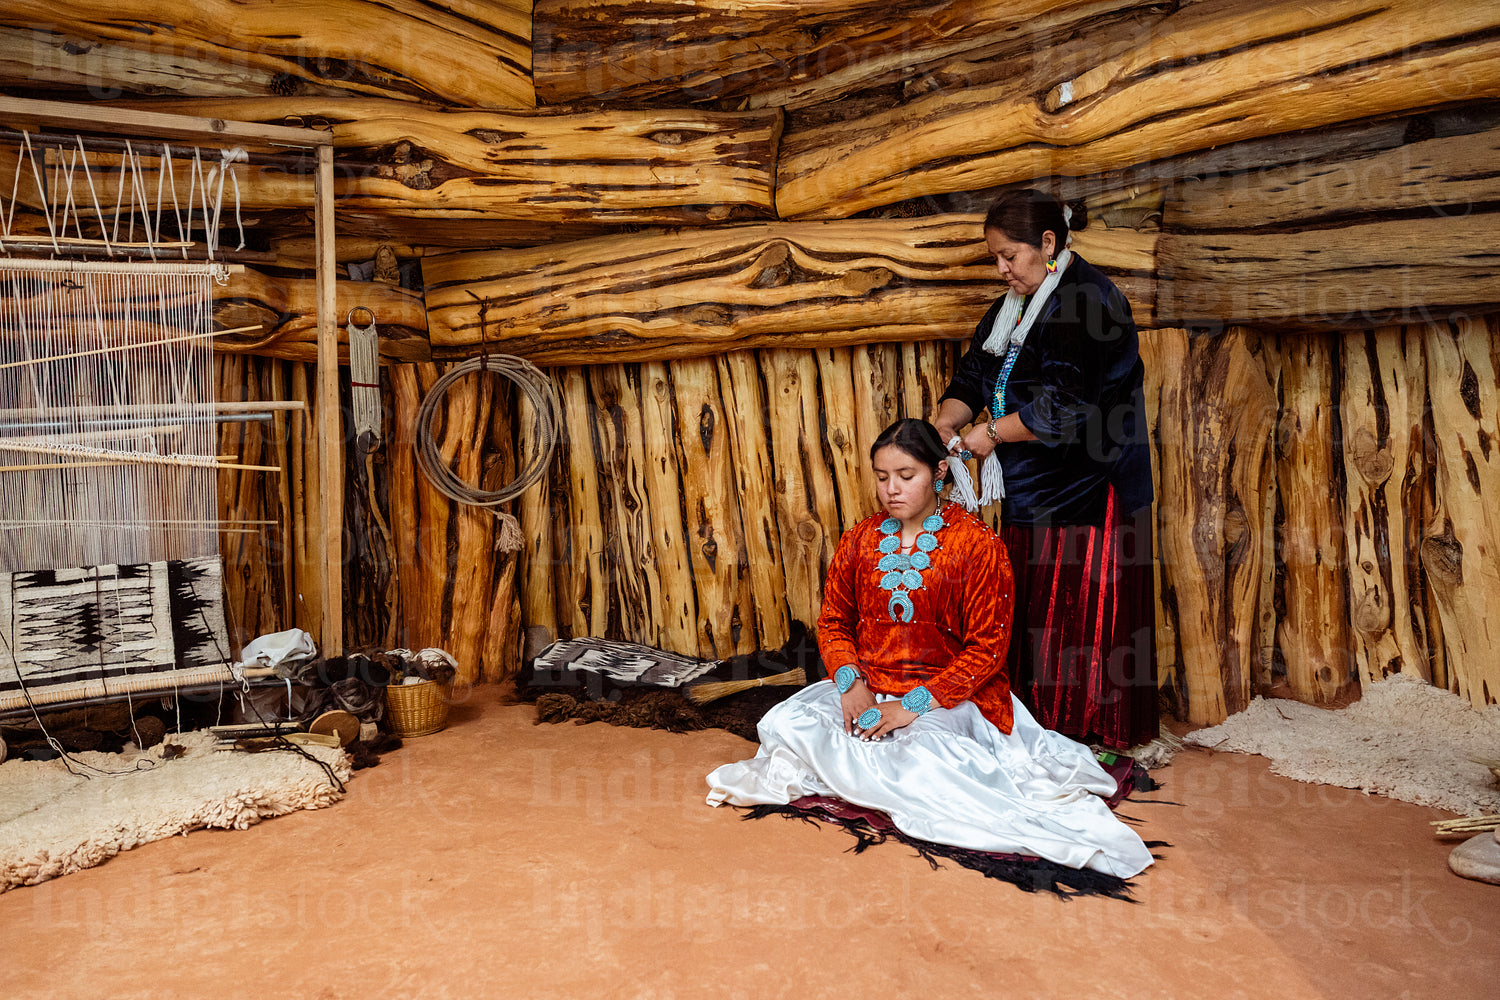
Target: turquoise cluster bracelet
x=918, y=700
x=844, y=678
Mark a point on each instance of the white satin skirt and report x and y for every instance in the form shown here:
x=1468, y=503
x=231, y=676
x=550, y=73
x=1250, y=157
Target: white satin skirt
x=950, y=777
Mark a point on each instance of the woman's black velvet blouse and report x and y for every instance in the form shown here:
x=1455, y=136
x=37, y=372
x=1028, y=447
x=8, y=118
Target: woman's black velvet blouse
x=1077, y=385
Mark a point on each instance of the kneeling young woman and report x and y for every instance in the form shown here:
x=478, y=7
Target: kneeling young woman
x=918, y=720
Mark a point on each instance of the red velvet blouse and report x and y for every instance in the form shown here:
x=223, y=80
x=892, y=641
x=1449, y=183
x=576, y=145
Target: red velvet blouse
x=955, y=643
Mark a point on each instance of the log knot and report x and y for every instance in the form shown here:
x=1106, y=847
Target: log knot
x=1443, y=558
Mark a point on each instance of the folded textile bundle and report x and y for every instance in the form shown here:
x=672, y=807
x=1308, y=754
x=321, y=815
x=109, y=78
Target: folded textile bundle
x=626, y=684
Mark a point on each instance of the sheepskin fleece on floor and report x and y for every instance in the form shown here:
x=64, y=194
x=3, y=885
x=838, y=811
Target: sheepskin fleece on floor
x=53, y=822
x=1404, y=739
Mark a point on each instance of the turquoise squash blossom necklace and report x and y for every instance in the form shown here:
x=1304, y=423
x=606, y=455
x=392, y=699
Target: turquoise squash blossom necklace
x=903, y=571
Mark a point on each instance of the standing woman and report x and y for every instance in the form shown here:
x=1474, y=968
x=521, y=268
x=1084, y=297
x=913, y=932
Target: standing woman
x=918, y=720
x=1050, y=392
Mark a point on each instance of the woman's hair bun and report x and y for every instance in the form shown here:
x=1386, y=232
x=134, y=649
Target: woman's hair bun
x=1078, y=217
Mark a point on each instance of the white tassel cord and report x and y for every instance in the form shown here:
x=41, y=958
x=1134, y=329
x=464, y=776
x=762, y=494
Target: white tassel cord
x=961, y=489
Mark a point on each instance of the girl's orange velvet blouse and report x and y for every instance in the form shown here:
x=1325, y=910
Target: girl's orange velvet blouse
x=955, y=643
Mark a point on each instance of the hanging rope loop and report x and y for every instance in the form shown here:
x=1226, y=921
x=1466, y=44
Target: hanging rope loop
x=546, y=410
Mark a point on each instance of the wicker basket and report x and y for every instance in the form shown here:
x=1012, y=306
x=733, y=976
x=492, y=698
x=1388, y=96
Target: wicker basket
x=417, y=709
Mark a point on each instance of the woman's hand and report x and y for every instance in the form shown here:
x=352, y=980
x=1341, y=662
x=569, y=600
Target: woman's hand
x=978, y=440
x=892, y=718
x=854, y=702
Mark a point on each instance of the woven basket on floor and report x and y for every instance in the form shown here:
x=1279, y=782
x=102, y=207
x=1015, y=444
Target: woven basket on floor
x=417, y=709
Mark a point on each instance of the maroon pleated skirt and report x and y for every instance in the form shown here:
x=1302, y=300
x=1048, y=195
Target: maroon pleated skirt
x=1083, y=644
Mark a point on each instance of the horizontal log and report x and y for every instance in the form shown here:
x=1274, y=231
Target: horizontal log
x=471, y=53
x=596, y=167
x=663, y=295
x=1353, y=276
x=1205, y=75
x=1439, y=177
x=777, y=53
x=285, y=309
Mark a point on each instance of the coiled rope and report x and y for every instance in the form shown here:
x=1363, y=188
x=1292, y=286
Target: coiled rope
x=546, y=416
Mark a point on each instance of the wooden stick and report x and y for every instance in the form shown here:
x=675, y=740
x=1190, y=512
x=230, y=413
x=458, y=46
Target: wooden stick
x=128, y=347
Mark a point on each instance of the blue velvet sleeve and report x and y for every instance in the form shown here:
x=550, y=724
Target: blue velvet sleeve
x=1074, y=354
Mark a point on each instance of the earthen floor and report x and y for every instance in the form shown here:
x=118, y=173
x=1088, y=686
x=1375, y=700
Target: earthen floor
x=503, y=859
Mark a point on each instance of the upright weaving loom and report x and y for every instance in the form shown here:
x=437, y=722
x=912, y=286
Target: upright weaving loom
x=110, y=575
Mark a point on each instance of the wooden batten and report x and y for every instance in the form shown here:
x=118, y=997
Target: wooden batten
x=620, y=167
x=1209, y=76
x=1314, y=634
x=401, y=49
x=1382, y=405
x=1462, y=536
x=1215, y=414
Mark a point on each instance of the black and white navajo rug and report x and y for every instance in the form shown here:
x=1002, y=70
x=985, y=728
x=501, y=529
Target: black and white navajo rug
x=64, y=626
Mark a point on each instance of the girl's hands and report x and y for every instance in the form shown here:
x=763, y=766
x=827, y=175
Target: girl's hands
x=855, y=702
x=892, y=718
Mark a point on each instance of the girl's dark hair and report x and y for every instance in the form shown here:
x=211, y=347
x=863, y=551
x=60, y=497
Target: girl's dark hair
x=917, y=438
x=1026, y=214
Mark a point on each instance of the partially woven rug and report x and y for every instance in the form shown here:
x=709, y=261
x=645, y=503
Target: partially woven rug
x=53, y=822
x=1404, y=739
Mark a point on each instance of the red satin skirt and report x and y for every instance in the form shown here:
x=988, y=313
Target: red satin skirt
x=1083, y=643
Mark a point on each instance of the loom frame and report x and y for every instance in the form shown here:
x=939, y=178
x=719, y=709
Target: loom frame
x=254, y=136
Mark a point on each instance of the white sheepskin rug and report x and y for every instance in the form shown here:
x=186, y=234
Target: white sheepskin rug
x=1404, y=738
x=53, y=822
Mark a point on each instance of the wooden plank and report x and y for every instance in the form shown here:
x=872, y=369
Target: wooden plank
x=774, y=54
x=665, y=295
x=1461, y=543
x=586, y=599
x=1198, y=76
x=1214, y=428
x=748, y=421
x=1356, y=275
x=1314, y=633
x=330, y=419
x=593, y=167
x=474, y=52
x=1383, y=401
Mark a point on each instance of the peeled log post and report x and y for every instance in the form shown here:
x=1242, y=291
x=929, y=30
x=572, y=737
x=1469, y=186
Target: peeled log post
x=398, y=48
x=634, y=582
x=467, y=557
x=678, y=625
x=775, y=54
x=1164, y=353
x=540, y=565
x=807, y=514
x=1314, y=634
x=877, y=402
x=587, y=594
x=1462, y=538
x=1204, y=75
x=748, y=418
x=1214, y=428
x=1385, y=467
x=713, y=516
x=305, y=507
x=842, y=450
x=500, y=657
x=397, y=159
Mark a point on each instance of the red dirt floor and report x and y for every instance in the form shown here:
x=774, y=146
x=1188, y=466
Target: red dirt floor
x=503, y=859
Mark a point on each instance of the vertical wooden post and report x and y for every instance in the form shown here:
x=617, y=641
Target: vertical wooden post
x=669, y=541
x=1462, y=537
x=330, y=548
x=1314, y=635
